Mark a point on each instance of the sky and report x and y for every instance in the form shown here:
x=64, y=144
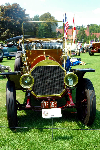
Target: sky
x=84, y=11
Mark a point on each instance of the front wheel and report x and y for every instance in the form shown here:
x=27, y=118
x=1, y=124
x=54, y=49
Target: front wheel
x=86, y=101
x=91, y=54
x=11, y=104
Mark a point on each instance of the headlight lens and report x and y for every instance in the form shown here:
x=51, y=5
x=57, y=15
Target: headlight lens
x=71, y=79
x=26, y=81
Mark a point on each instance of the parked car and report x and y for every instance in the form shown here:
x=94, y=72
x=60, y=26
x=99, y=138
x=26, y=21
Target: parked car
x=9, y=51
x=94, y=48
x=41, y=75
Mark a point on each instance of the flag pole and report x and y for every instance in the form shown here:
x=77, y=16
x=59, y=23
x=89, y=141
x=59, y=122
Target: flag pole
x=66, y=50
x=63, y=31
x=74, y=30
x=64, y=35
x=65, y=27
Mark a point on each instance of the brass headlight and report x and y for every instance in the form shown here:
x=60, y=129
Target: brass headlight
x=71, y=79
x=26, y=81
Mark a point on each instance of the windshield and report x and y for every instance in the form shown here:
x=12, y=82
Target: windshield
x=41, y=35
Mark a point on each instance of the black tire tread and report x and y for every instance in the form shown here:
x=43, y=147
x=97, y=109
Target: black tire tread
x=91, y=102
x=11, y=104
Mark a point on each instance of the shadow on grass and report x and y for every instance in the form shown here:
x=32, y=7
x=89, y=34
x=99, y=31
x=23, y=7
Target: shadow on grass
x=33, y=120
x=63, y=138
x=3, y=61
x=94, y=126
x=95, y=55
x=11, y=59
x=1, y=77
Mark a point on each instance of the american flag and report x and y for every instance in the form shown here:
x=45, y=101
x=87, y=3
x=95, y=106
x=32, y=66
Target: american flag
x=66, y=26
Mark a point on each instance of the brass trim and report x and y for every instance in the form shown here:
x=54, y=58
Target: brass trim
x=27, y=87
x=44, y=21
x=47, y=63
x=74, y=76
x=49, y=95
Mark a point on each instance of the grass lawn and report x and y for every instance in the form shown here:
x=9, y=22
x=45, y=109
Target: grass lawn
x=35, y=139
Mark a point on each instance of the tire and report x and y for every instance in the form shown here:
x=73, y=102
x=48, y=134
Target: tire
x=91, y=54
x=86, y=101
x=11, y=104
x=1, y=55
x=9, y=58
x=18, y=62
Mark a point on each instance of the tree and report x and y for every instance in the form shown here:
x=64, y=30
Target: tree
x=94, y=28
x=11, y=20
x=31, y=28
x=81, y=36
x=35, y=25
x=47, y=29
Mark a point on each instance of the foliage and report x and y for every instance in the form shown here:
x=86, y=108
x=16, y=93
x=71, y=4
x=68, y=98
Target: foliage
x=70, y=27
x=11, y=20
x=60, y=35
x=47, y=29
x=81, y=36
x=13, y=16
x=35, y=26
x=41, y=29
x=61, y=27
x=94, y=28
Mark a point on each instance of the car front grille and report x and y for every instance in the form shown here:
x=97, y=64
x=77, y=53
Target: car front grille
x=48, y=80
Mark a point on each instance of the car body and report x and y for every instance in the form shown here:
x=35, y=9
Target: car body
x=94, y=48
x=45, y=75
x=87, y=47
x=9, y=52
x=72, y=47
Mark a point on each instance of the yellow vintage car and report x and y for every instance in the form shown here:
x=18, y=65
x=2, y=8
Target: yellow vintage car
x=43, y=72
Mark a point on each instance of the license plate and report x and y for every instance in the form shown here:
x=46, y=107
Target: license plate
x=51, y=113
x=47, y=104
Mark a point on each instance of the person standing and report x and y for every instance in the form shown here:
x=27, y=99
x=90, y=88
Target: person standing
x=78, y=47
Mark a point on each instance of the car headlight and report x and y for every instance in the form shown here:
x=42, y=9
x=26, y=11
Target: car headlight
x=71, y=79
x=26, y=81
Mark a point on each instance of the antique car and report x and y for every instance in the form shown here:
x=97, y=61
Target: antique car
x=94, y=48
x=44, y=74
x=9, y=51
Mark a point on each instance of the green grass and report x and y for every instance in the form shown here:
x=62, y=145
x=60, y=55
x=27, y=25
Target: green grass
x=35, y=139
